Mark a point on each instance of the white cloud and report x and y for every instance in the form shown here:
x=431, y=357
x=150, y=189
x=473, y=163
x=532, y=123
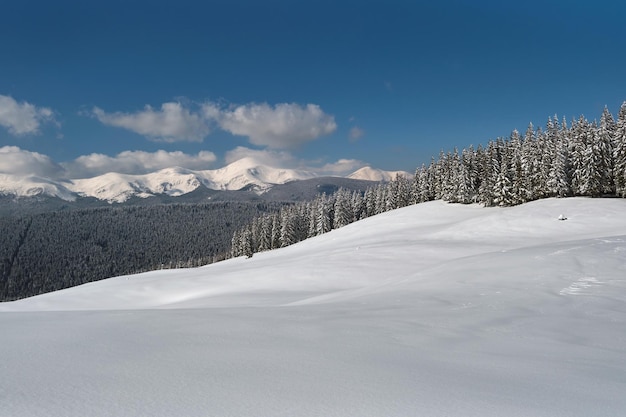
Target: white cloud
x=342, y=167
x=356, y=133
x=285, y=125
x=282, y=126
x=278, y=159
x=136, y=162
x=16, y=161
x=172, y=123
x=23, y=118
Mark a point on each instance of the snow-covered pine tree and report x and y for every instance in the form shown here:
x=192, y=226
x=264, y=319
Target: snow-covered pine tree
x=426, y=184
x=502, y=189
x=288, y=228
x=381, y=199
x=606, y=135
x=416, y=188
x=324, y=212
x=343, y=209
x=402, y=190
x=358, y=206
x=449, y=175
x=490, y=166
x=275, y=239
x=265, y=233
x=594, y=166
x=370, y=202
x=312, y=207
x=469, y=161
x=235, y=249
x=463, y=190
x=578, y=145
x=619, y=152
x=246, y=243
x=557, y=183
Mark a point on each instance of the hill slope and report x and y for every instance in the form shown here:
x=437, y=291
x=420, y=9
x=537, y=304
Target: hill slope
x=435, y=309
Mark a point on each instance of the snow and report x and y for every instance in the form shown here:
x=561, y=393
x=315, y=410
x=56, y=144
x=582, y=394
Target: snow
x=114, y=187
x=30, y=186
x=175, y=181
x=435, y=309
x=246, y=171
x=372, y=174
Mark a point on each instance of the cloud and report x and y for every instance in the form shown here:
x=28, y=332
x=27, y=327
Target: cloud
x=285, y=125
x=270, y=158
x=23, y=118
x=282, y=126
x=136, y=162
x=172, y=123
x=16, y=161
x=356, y=133
x=342, y=167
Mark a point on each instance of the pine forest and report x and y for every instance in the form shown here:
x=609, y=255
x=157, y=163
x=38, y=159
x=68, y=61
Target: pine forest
x=580, y=159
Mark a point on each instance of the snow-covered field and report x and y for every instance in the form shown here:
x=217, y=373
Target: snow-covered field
x=432, y=310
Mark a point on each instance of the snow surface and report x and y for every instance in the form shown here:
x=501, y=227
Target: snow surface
x=431, y=310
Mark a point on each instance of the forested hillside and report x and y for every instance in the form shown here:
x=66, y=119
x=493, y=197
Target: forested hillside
x=583, y=159
x=50, y=251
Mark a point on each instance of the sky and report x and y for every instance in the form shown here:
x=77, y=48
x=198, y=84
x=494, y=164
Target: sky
x=134, y=86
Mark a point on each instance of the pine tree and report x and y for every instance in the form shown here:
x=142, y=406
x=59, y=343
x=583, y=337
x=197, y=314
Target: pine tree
x=288, y=231
x=502, y=191
x=606, y=134
x=578, y=146
x=324, y=220
x=557, y=183
x=619, y=153
x=343, y=210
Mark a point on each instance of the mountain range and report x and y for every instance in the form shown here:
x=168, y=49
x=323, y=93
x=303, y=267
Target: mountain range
x=112, y=187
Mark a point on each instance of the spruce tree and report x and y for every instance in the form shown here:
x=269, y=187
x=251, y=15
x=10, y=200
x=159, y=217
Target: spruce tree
x=619, y=153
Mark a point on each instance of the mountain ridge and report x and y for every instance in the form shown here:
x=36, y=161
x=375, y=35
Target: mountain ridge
x=113, y=187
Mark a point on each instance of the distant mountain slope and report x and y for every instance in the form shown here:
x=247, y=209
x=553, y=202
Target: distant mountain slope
x=245, y=174
x=372, y=174
x=48, y=251
x=33, y=186
x=299, y=190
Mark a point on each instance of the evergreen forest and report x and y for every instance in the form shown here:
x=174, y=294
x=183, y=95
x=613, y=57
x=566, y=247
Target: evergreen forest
x=50, y=251
x=580, y=159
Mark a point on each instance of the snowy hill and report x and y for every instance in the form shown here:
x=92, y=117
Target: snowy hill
x=434, y=309
x=114, y=187
x=119, y=187
x=246, y=172
x=30, y=186
x=373, y=174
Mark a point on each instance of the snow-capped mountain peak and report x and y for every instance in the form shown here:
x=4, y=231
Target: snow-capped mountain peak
x=175, y=181
x=372, y=174
x=247, y=171
x=30, y=186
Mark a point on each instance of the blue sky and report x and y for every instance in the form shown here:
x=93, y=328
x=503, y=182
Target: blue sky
x=87, y=87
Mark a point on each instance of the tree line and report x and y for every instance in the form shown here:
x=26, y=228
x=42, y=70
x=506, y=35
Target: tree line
x=580, y=159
